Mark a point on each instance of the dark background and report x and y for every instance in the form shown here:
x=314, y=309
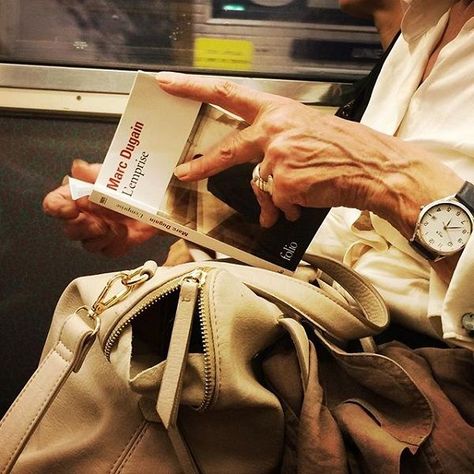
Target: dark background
x=36, y=260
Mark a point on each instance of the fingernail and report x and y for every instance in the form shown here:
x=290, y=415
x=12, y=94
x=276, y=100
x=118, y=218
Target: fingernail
x=182, y=170
x=79, y=162
x=167, y=77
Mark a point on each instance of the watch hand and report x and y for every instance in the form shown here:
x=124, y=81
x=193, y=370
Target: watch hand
x=454, y=227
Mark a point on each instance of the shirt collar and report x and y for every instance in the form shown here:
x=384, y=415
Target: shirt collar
x=420, y=15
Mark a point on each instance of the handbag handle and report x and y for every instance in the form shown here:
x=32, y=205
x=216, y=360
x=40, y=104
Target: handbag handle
x=368, y=298
x=329, y=314
x=26, y=412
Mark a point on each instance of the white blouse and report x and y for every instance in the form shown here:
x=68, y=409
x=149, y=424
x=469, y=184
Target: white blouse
x=438, y=115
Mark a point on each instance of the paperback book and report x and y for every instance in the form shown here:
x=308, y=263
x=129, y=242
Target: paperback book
x=157, y=132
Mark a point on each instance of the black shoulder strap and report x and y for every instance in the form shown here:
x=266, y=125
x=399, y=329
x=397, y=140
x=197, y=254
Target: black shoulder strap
x=466, y=195
x=355, y=107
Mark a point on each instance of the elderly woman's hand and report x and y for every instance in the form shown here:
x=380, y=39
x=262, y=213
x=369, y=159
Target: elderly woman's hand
x=315, y=159
x=100, y=230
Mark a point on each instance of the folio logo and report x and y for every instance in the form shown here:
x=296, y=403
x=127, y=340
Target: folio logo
x=288, y=251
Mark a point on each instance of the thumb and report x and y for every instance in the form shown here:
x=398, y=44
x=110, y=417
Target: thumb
x=84, y=171
x=88, y=172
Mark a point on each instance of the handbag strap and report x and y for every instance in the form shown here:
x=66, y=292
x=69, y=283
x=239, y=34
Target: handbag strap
x=26, y=412
x=328, y=312
x=365, y=295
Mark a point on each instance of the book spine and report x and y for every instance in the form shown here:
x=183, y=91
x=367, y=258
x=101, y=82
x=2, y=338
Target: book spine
x=161, y=222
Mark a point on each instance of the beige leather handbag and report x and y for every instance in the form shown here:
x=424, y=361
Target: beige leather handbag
x=177, y=369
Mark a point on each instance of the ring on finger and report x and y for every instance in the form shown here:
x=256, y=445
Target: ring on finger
x=265, y=185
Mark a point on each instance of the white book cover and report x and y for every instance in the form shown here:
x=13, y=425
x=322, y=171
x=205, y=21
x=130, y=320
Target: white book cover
x=157, y=132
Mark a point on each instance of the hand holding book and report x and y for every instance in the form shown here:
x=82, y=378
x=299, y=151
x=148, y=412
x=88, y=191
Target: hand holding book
x=316, y=160
x=99, y=229
x=156, y=133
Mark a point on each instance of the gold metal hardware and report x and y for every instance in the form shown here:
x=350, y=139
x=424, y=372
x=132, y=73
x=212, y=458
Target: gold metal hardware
x=129, y=280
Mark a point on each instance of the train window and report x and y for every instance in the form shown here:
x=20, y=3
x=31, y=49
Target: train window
x=310, y=39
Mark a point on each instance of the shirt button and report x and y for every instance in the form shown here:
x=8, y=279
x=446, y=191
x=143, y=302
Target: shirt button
x=468, y=321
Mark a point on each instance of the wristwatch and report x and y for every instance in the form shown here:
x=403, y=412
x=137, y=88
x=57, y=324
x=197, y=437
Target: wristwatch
x=444, y=227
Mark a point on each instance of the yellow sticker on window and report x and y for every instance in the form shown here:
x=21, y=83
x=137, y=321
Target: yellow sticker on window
x=227, y=54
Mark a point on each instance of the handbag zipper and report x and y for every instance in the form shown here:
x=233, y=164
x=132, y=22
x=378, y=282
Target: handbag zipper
x=168, y=289
x=198, y=277
x=206, y=337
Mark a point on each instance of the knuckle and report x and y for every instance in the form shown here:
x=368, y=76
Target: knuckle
x=227, y=151
x=274, y=151
x=224, y=88
x=278, y=116
x=284, y=189
x=198, y=167
x=274, y=124
x=226, y=154
x=46, y=206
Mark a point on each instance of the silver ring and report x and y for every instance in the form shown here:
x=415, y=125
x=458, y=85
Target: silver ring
x=264, y=185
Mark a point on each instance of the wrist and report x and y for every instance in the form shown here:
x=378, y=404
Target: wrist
x=407, y=193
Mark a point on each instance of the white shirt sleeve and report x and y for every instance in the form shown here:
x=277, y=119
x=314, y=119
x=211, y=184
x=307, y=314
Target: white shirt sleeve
x=458, y=302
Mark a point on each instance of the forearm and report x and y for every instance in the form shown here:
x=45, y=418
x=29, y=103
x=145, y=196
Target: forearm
x=411, y=179
x=317, y=160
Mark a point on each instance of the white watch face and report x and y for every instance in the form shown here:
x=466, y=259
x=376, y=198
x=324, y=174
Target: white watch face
x=445, y=228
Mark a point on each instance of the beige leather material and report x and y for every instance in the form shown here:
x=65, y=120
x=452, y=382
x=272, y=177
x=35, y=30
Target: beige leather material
x=183, y=453
x=26, y=412
x=171, y=386
x=369, y=300
x=172, y=381
x=341, y=320
x=301, y=342
x=220, y=417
